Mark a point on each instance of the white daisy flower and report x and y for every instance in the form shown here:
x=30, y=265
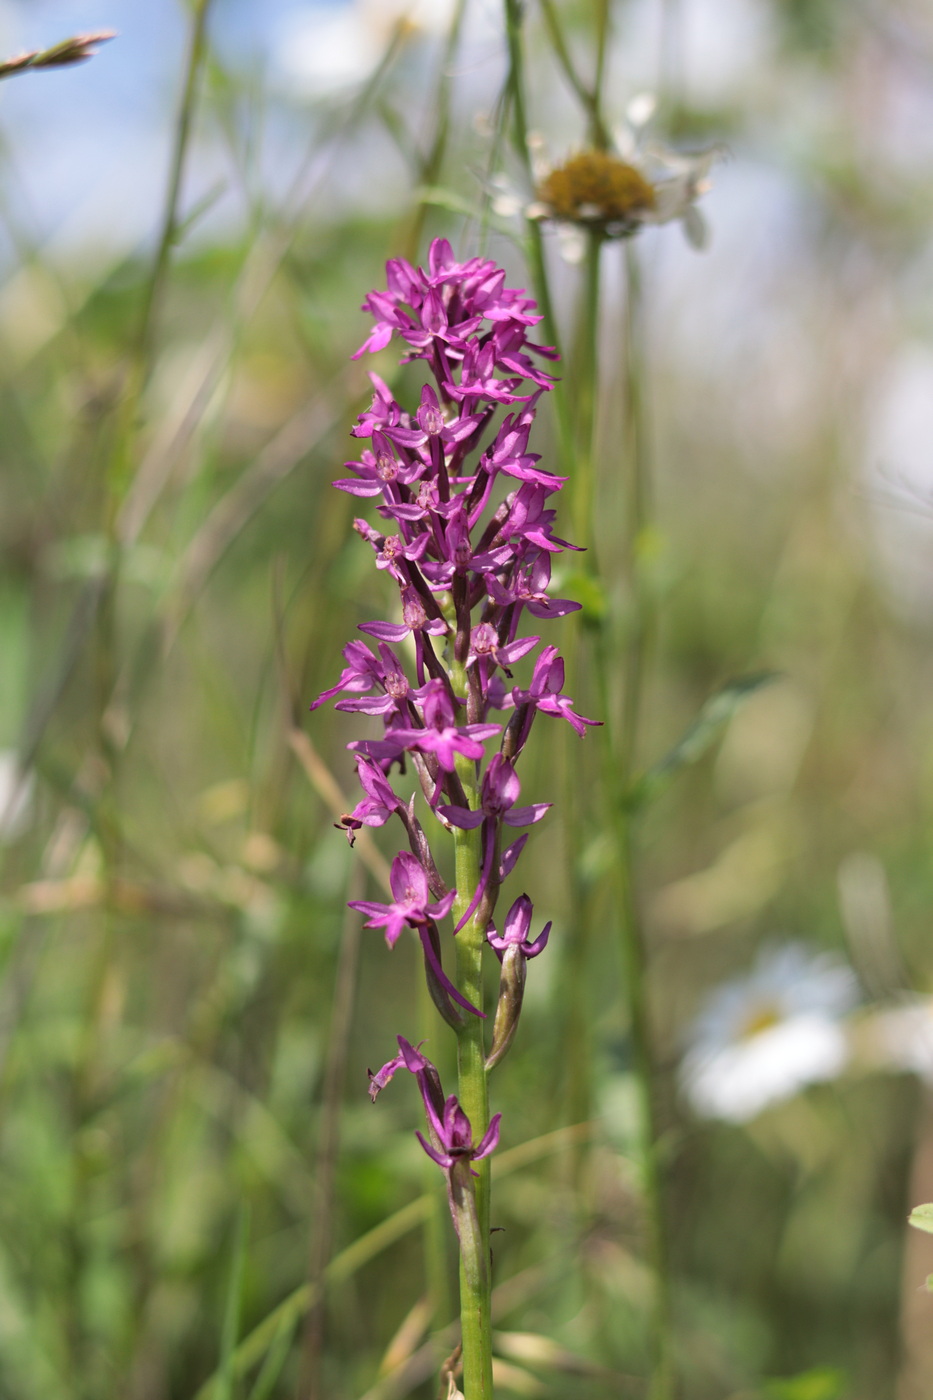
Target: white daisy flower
x=763, y=1037
x=619, y=191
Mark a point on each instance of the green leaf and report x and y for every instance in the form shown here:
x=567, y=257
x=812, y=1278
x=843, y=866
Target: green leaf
x=198, y=210
x=825, y=1383
x=275, y=1360
x=697, y=739
x=441, y=198
x=921, y=1217
x=588, y=592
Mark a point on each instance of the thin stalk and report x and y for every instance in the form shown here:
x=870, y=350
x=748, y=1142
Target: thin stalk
x=141, y=365
x=515, y=85
x=322, y=1233
x=574, y=984
x=663, y=1380
x=638, y=518
x=598, y=132
x=434, y=159
x=197, y=48
x=589, y=100
x=437, y=1223
x=105, y=990
x=586, y=388
x=106, y=993
x=475, y=1263
x=622, y=739
x=230, y=1330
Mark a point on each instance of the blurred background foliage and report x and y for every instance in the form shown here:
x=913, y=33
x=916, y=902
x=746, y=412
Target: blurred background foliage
x=198, y=1197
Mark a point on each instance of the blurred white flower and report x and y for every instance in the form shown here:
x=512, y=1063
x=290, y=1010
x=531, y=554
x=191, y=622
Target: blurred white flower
x=325, y=48
x=619, y=191
x=900, y=1037
x=763, y=1037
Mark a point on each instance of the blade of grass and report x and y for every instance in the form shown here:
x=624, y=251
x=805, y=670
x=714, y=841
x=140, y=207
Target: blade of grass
x=395, y=1227
x=231, y=1323
x=696, y=739
x=338, y=1036
x=274, y=1363
x=433, y=160
x=197, y=49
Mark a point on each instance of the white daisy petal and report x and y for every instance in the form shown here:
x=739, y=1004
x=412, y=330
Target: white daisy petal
x=764, y=1037
x=736, y=1083
x=641, y=109
x=901, y=1037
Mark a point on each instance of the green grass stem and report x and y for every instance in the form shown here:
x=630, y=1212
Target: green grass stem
x=622, y=743
x=230, y=1331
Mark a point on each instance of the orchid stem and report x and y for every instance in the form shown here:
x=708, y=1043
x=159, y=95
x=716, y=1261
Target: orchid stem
x=475, y=1264
x=437, y=1220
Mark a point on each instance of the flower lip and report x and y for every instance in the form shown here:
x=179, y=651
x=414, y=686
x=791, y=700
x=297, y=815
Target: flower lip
x=410, y=900
x=516, y=931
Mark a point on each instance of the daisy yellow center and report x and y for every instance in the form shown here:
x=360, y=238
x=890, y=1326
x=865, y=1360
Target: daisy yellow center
x=596, y=186
x=760, y=1018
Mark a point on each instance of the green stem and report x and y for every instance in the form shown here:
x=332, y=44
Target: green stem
x=574, y=986
x=434, y=159
x=535, y=239
x=663, y=1381
x=197, y=49
x=436, y=1232
x=475, y=1264
x=328, y=1149
x=622, y=743
x=586, y=388
x=598, y=130
x=590, y=101
x=638, y=516
x=142, y=359
x=575, y=445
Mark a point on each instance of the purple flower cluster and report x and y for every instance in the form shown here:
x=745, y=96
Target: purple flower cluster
x=468, y=540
